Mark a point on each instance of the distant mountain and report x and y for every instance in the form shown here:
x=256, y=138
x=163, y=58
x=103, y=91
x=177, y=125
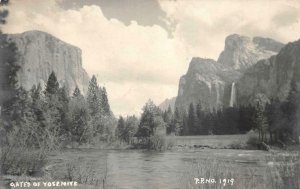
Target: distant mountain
x=41, y=53
x=168, y=103
x=213, y=82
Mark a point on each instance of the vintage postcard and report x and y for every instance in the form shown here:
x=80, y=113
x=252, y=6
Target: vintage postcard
x=150, y=94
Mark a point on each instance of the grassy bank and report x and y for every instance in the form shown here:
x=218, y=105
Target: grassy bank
x=282, y=172
x=211, y=141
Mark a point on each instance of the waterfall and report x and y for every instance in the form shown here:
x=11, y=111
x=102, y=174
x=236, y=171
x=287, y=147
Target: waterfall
x=232, y=95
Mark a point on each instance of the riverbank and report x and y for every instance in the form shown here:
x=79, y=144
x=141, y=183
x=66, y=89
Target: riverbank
x=240, y=141
x=94, y=168
x=91, y=165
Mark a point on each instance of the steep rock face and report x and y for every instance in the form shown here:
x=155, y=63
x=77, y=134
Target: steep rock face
x=271, y=78
x=206, y=81
x=211, y=82
x=241, y=52
x=41, y=53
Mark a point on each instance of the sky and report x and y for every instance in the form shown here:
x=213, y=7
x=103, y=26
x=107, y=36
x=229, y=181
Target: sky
x=138, y=49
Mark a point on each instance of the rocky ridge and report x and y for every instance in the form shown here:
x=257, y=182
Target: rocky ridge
x=210, y=81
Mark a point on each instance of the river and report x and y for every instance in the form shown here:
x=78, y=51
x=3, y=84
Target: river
x=150, y=169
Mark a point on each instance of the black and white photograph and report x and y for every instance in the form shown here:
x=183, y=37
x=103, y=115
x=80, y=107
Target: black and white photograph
x=150, y=94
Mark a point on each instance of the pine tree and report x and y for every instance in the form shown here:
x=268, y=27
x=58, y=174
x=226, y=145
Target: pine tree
x=185, y=126
x=177, y=122
x=120, y=132
x=54, y=110
x=260, y=122
x=105, y=104
x=151, y=120
x=291, y=110
x=200, y=117
x=93, y=97
x=167, y=117
x=80, y=130
x=63, y=107
x=52, y=85
x=191, y=120
x=275, y=120
x=37, y=103
x=131, y=127
x=76, y=92
x=8, y=78
x=36, y=107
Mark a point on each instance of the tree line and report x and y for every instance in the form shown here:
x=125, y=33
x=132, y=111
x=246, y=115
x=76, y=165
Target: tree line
x=53, y=117
x=275, y=122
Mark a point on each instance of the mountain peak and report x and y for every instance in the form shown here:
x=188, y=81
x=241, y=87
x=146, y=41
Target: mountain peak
x=241, y=52
x=236, y=41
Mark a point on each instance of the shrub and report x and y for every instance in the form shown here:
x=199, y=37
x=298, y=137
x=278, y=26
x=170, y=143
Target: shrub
x=157, y=142
x=236, y=145
x=19, y=158
x=253, y=140
x=283, y=172
x=84, y=171
x=22, y=161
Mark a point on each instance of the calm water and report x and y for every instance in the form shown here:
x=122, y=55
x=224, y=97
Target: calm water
x=144, y=169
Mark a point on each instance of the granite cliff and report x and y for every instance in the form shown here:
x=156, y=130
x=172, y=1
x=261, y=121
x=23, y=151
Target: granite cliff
x=213, y=83
x=241, y=52
x=271, y=78
x=41, y=53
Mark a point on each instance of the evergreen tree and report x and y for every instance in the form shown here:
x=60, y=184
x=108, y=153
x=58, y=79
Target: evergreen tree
x=260, y=122
x=21, y=119
x=8, y=78
x=105, y=104
x=191, y=120
x=53, y=110
x=151, y=120
x=131, y=127
x=80, y=130
x=185, y=126
x=167, y=117
x=93, y=98
x=20, y=107
x=94, y=105
x=52, y=85
x=177, y=122
x=63, y=107
x=291, y=109
x=200, y=117
x=37, y=104
x=120, y=132
x=77, y=92
x=245, y=118
x=276, y=120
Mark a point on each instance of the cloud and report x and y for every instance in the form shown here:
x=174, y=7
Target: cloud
x=203, y=24
x=134, y=62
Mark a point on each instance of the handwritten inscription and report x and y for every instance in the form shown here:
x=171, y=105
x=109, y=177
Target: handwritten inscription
x=43, y=184
x=224, y=181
